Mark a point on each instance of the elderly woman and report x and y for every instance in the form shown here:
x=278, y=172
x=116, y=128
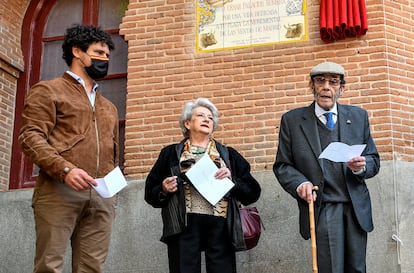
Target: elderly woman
x=191, y=223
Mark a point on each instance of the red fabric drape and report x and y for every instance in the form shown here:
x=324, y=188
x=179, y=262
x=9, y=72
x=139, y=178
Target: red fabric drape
x=342, y=18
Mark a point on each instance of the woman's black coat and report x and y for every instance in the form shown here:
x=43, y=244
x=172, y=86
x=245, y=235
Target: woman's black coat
x=246, y=190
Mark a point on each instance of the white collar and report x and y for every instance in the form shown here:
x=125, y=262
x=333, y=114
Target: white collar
x=319, y=111
x=81, y=81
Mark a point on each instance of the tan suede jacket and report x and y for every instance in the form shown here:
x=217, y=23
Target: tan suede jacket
x=61, y=130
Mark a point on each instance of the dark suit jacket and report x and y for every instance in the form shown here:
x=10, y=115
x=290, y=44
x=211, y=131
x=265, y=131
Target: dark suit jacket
x=297, y=159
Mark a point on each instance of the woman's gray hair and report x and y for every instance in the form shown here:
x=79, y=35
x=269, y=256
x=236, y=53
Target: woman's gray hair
x=188, y=112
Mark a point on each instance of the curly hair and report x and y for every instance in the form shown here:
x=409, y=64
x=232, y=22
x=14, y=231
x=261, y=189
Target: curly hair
x=82, y=36
x=188, y=112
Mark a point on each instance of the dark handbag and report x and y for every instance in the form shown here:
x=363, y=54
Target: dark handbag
x=251, y=225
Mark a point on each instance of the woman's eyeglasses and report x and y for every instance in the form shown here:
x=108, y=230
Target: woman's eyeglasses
x=204, y=117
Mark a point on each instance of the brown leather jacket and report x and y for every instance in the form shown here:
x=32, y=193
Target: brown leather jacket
x=62, y=130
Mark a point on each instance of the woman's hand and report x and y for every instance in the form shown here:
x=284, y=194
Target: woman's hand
x=169, y=185
x=223, y=172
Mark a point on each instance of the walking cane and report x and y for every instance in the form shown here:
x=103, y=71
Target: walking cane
x=312, y=233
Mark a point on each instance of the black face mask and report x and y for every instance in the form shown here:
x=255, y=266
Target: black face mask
x=98, y=68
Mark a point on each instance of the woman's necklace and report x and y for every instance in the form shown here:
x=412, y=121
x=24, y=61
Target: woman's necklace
x=196, y=150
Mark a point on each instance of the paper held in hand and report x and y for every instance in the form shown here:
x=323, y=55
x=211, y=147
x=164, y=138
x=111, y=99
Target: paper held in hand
x=111, y=184
x=201, y=176
x=341, y=152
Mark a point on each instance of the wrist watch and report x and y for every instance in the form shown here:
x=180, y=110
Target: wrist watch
x=66, y=170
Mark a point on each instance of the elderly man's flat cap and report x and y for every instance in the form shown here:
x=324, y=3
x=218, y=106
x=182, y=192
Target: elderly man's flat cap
x=327, y=68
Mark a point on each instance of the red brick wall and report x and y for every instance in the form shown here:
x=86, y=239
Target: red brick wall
x=11, y=63
x=399, y=34
x=253, y=87
x=7, y=98
x=11, y=19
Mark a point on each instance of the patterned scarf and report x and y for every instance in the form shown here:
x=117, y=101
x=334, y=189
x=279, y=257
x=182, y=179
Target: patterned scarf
x=194, y=201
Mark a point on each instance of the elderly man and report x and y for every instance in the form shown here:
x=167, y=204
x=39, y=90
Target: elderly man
x=343, y=208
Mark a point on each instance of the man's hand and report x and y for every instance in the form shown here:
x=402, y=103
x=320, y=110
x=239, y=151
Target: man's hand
x=357, y=164
x=305, y=191
x=78, y=180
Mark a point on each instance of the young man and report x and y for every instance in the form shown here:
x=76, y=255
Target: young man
x=71, y=133
x=343, y=207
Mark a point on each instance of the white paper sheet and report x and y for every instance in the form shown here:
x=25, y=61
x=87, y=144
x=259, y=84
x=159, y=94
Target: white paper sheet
x=341, y=152
x=111, y=184
x=201, y=176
